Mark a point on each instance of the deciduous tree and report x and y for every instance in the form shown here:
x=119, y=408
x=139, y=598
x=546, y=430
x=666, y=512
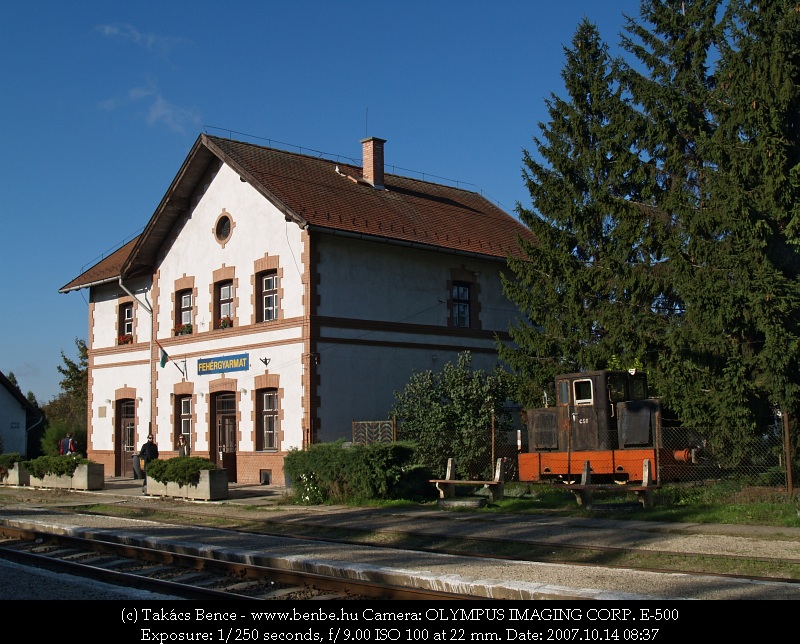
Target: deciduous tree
x=449, y=414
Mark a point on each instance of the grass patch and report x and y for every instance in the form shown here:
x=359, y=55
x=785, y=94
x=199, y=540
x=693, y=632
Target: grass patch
x=724, y=502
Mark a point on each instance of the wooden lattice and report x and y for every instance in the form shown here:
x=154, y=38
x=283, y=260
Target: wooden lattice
x=366, y=432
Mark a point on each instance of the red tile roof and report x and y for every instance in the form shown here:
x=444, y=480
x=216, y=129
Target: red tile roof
x=106, y=270
x=325, y=195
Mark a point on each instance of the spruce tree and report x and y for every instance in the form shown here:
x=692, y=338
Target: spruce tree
x=756, y=207
x=720, y=137
x=675, y=176
x=586, y=285
x=671, y=83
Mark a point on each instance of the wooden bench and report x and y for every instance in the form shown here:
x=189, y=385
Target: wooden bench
x=583, y=491
x=447, y=485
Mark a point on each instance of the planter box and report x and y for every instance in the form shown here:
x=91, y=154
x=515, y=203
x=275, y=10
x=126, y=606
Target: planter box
x=17, y=475
x=212, y=486
x=89, y=476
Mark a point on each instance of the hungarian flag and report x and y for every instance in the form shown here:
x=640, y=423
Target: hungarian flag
x=164, y=356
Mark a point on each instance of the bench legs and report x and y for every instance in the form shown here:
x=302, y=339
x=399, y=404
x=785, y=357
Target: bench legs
x=495, y=489
x=583, y=497
x=446, y=490
x=496, y=492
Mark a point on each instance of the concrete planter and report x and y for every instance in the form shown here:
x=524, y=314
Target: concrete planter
x=17, y=475
x=88, y=476
x=212, y=486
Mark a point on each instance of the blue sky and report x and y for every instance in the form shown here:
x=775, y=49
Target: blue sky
x=102, y=101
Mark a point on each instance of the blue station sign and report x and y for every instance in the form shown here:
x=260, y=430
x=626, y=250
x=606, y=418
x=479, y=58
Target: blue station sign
x=223, y=364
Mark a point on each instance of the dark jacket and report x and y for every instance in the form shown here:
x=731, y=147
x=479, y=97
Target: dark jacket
x=149, y=452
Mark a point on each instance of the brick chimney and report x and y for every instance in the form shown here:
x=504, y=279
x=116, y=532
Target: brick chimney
x=372, y=151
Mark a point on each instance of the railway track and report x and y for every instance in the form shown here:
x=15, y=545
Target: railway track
x=751, y=567
x=186, y=576
x=375, y=545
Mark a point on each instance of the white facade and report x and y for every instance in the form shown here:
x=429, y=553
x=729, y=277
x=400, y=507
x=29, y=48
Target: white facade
x=356, y=315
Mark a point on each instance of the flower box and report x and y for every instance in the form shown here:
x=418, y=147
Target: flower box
x=183, y=329
x=125, y=339
x=212, y=486
x=87, y=476
x=17, y=475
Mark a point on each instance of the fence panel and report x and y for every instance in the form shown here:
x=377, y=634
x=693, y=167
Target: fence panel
x=366, y=432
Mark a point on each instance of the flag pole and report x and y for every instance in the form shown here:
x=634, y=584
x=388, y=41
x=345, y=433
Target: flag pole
x=165, y=357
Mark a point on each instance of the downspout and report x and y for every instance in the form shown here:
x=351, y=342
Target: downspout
x=149, y=309
x=28, y=430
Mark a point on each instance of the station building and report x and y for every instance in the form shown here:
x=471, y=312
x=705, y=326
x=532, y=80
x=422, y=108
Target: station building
x=274, y=297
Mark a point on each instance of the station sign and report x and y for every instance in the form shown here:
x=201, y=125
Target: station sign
x=223, y=364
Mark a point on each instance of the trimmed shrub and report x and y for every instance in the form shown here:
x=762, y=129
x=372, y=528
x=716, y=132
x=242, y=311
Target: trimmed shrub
x=57, y=465
x=183, y=470
x=7, y=460
x=343, y=473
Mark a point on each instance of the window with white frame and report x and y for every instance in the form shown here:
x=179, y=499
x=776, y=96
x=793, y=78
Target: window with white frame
x=268, y=296
x=583, y=392
x=184, y=408
x=225, y=304
x=267, y=436
x=186, y=307
x=125, y=323
x=184, y=312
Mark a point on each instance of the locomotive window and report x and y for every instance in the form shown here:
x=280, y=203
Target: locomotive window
x=563, y=392
x=638, y=388
x=616, y=389
x=583, y=392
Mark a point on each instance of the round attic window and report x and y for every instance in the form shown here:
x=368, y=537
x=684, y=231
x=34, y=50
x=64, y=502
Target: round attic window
x=223, y=227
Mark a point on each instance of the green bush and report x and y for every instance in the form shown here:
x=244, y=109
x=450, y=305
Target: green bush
x=342, y=473
x=57, y=465
x=183, y=470
x=453, y=413
x=7, y=460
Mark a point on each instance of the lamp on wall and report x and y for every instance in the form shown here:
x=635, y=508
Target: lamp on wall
x=243, y=390
x=108, y=401
x=139, y=399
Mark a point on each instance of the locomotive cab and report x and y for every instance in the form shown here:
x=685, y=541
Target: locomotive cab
x=603, y=417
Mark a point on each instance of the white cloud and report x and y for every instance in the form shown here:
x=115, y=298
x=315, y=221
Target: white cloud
x=154, y=43
x=174, y=117
x=158, y=110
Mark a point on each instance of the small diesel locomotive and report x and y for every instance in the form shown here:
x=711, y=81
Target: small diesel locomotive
x=607, y=419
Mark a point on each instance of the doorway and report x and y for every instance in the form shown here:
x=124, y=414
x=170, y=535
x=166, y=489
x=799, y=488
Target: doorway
x=224, y=454
x=125, y=438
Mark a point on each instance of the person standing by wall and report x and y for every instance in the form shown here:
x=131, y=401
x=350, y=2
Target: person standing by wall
x=183, y=446
x=148, y=453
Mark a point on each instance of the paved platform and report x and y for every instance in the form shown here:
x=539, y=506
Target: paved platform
x=492, y=578
x=239, y=493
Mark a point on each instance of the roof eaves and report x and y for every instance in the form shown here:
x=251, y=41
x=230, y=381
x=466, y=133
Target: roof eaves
x=78, y=287
x=395, y=241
